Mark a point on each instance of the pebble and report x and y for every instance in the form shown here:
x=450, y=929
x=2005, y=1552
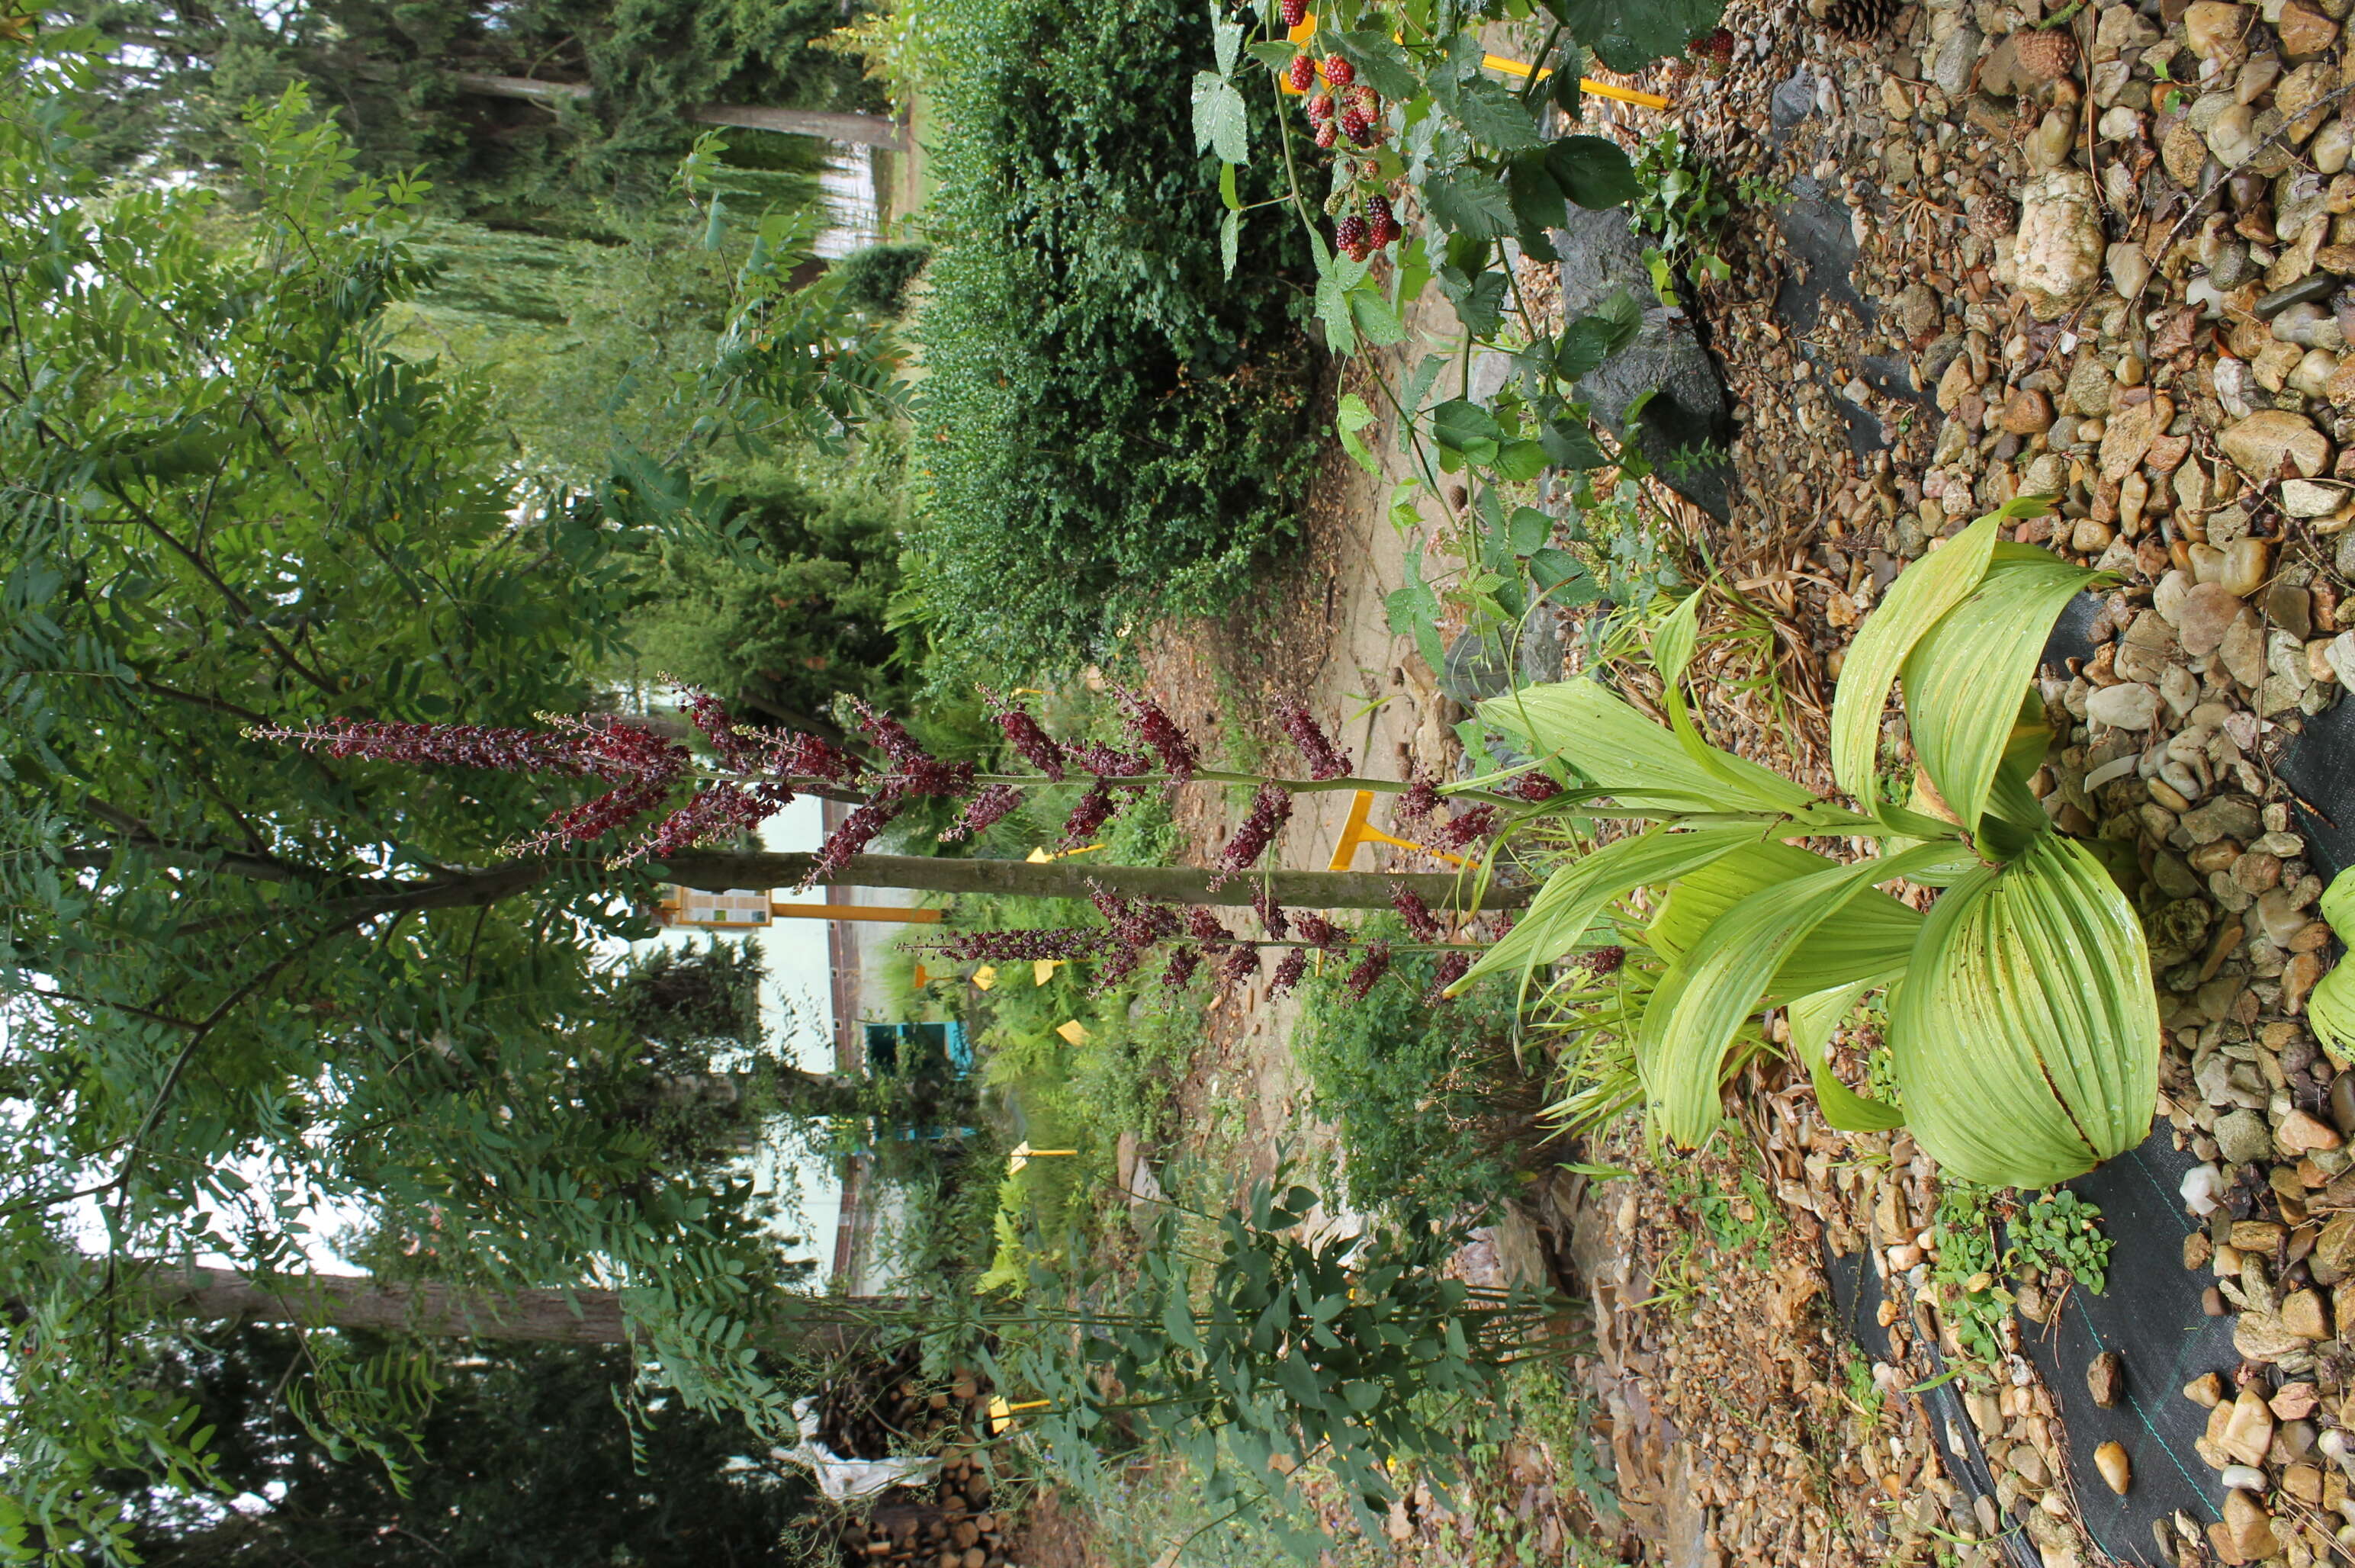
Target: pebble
x=2203, y=616
x=2258, y=445
x=2059, y=250
x=2110, y=1458
x=2130, y=706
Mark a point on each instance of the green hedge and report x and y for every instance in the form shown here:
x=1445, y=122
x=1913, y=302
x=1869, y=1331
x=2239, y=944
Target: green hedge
x=1111, y=428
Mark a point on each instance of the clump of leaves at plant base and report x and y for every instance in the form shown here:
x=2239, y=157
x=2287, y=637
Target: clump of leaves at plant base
x=1116, y=419
x=1274, y=1352
x=2023, y=1028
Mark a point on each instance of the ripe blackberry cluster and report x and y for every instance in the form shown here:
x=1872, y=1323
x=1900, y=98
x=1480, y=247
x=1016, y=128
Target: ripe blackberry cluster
x=1345, y=109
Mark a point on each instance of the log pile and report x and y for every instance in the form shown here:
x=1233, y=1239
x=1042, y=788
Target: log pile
x=947, y=1522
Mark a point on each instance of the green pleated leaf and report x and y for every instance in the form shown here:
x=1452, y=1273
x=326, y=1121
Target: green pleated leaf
x=1640, y=763
x=1565, y=909
x=1923, y=593
x=1700, y=1004
x=1812, y=1019
x=2330, y=1008
x=1964, y=677
x=1678, y=635
x=2026, y=1035
x=1868, y=939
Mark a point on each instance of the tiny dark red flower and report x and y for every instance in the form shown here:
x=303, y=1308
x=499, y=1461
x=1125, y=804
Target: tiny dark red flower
x=1367, y=970
x=1324, y=760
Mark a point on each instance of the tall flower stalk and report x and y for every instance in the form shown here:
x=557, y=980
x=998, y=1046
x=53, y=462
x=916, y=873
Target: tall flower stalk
x=667, y=798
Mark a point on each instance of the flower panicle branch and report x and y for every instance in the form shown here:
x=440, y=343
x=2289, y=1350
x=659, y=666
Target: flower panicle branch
x=1324, y=759
x=761, y=772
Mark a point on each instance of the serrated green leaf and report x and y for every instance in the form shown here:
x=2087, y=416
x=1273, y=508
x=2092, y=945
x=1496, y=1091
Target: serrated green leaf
x=1413, y=611
x=1274, y=53
x=1377, y=323
x=1469, y=201
x=1333, y=310
x=1479, y=301
x=1518, y=461
x=1593, y=171
x=1381, y=65
x=1228, y=194
x=1221, y=126
x=1226, y=41
x=1569, y=444
x=1489, y=112
x=1352, y=417
x=1627, y=35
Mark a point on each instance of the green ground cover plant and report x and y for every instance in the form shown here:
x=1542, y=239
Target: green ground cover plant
x=1432, y=1110
x=1113, y=424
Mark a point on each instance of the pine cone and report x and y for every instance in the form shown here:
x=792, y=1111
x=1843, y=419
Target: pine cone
x=1856, y=18
x=1993, y=216
x=2045, y=54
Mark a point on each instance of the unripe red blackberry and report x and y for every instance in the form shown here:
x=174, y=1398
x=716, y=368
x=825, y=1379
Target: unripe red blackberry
x=1714, y=50
x=1320, y=109
x=1353, y=125
x=1387, y=230
x=1302, y=73
x=1338, y=71
x=1327, y=135
x=1378, y=211
x=1351, y=232
x=1368, y=131
x=1365, y=100
x=1294, y=12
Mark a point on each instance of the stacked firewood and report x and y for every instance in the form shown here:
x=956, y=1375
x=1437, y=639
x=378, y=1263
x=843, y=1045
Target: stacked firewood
x=946, y=1522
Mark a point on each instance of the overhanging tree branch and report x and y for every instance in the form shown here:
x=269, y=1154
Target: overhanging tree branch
x=829, y=1325
x=866, y=130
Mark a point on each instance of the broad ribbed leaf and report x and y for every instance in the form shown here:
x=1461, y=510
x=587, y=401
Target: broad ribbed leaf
x=1922, y=594
x=1965, y=677
x=1566, y=907
x=1812, y=1021
x=1640, y=763
x=2331, y=1007
x=1867, y=940
x=1678, y=635
x=2026, y=1035
x=1694, y=1016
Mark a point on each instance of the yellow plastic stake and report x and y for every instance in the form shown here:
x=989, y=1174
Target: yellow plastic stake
x=1041, y=855
x=1001, y=1414
x=1356, y=830
x=1043, y=969
x=984, y=977
x=1024, y=1154
x=1073, y=1030
x=1306, y=32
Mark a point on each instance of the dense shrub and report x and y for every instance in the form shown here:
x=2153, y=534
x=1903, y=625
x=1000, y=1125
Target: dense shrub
x=875, y=278
x=1432, y=1110
x=797, y=615
x=1111, y=427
